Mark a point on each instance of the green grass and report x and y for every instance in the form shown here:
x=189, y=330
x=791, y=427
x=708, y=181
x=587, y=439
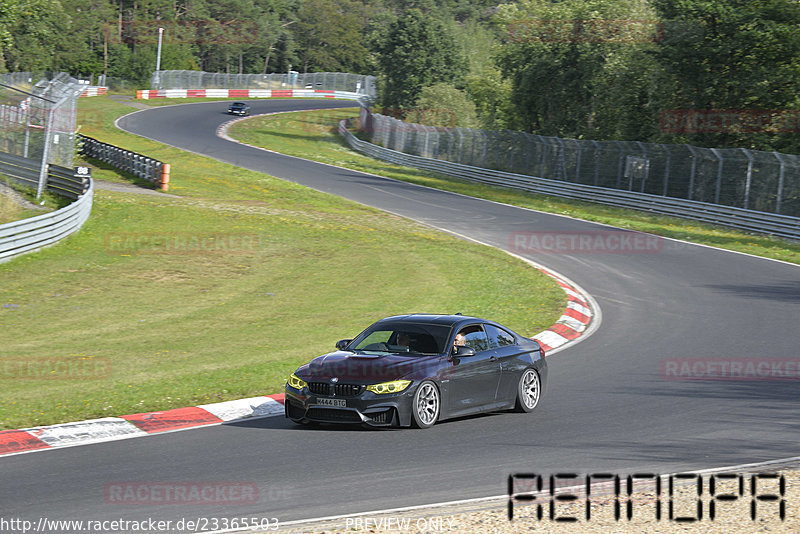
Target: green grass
x=11, y=211
x=176, y=326
x=299, y=134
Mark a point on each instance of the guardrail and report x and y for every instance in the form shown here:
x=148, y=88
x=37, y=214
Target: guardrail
x=27, y=235
x=60, y=180
x=750, y=220
x=137, y=164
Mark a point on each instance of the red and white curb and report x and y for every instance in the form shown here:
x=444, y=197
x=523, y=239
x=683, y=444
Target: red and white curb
x=581, y=313
x=147, y=94
x=136, y=425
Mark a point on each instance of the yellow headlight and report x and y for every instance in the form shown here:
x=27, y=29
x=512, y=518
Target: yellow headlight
x=295, y=382
x=395, y=386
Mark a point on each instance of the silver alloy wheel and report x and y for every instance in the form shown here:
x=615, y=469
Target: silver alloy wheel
x=529, y=391
x=426, y=405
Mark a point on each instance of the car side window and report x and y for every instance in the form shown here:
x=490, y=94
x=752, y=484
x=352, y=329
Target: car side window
x=475, y=337
x=499, y=337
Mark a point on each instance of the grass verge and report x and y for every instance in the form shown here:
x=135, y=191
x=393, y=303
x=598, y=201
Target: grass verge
x=162, y=302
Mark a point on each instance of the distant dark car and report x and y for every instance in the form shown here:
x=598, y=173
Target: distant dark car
x=238, y=108
x=419, y=369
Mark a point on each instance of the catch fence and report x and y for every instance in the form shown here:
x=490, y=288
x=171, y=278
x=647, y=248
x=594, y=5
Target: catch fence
x=736, y=177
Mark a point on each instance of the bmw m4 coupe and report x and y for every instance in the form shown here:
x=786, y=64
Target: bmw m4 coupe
x=415, y=370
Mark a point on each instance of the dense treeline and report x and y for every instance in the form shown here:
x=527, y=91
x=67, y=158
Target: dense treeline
x=707, y=72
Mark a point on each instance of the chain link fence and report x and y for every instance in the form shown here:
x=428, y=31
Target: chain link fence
x=330, y=81
x=737, y=177
x=38, y=121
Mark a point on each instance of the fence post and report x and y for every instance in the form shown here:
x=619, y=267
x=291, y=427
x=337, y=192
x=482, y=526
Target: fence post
x=666, y=167
x=749, y=177
x=780, y=182
x=694, y=170
x=647, y=165
x=599, y=151
x=562, y=161
x=619, y=164
x=45, y=152
x=719, y=175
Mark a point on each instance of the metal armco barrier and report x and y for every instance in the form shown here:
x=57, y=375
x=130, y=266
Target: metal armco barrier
x=140, y=166
x=755, y=221
x=28, y=235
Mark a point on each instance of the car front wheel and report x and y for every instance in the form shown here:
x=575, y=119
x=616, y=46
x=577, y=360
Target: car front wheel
x=426, y=406
x=529, y=391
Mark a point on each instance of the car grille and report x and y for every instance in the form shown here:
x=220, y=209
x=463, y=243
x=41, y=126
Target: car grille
x=325, y=414
x=337, y=390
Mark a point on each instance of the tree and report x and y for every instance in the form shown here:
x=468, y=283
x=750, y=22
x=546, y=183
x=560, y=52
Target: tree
x=444, y=105
x=416, y=52
x=732, y=54
x=557, y=56
x=35, y=32
x=330, y=33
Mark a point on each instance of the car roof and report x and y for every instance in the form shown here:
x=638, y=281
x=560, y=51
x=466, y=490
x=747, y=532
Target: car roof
x=238, y=104
x=430, y=318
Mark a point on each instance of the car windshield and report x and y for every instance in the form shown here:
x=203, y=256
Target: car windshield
x=412, y=338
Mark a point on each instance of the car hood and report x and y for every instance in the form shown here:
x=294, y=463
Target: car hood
x=365, y=368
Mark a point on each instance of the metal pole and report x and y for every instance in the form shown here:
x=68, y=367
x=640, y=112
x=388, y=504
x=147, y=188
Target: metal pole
x=780, y=182
x=27, y=128
x=666, y=167
x=749, y=178
x=619, y=164
x=598, y=151
x=158, y=58
x=647, y=166
x=43, y=168
x=719, y=175
x=562, y=162
x=694, y=169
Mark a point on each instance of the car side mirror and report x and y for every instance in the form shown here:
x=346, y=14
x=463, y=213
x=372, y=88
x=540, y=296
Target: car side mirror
x=342, y=343
x=463, y=351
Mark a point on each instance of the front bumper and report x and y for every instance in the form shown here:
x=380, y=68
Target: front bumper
x=367, y=408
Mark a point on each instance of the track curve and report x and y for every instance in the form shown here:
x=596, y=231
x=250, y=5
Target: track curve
x=608, y=407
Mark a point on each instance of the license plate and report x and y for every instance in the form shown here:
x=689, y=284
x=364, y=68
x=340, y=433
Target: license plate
x=339, y=403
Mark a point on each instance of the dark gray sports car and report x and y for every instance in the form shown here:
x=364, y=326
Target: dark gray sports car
x=418, y=369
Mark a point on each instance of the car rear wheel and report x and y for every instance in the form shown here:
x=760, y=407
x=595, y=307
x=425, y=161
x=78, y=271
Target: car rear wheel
x=529, y=391
x=426, y=405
